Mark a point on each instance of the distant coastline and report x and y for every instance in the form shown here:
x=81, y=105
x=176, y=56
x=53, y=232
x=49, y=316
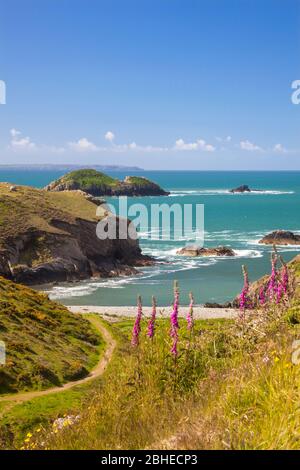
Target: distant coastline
x=67, y=167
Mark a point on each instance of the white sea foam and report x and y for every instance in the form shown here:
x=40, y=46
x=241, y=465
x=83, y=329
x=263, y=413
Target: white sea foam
x=218, y=192
x=248, y=253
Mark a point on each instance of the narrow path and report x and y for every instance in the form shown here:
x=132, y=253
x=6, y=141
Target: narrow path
x=96, y=372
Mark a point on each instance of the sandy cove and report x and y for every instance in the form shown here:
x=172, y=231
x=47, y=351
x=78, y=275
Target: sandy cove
x=130, y=312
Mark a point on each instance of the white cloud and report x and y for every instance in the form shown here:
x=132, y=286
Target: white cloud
x=110, y=136
x=279, y=148
x=200, y=144
x=249, y=146
x=14, y=133
x=226, y=139
x=83, y=145
x=20, y=143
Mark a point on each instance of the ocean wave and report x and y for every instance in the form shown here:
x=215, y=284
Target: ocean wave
x=218, y=192
x=248, y=253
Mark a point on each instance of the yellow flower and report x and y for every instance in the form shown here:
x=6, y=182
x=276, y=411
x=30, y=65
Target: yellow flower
x=276, y=359
x=27, y=440
x=29, y=434
x=38, y=430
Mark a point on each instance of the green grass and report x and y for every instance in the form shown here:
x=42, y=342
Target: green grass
x=16, y=420
x=46, y=345
x=234, y=388
x=138, y=181
x=30, y=209
x=235, y=399
x=87, y=178
x=97, y=183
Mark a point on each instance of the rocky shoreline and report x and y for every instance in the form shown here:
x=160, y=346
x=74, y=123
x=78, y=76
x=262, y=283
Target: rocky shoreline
x=47, y=238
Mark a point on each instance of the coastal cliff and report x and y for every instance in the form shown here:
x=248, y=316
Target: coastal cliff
x=48, y=237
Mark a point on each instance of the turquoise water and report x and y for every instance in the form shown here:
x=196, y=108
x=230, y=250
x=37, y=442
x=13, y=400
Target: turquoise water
x=238, y=221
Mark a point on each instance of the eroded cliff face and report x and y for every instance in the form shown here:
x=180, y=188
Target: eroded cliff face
x=54, y=244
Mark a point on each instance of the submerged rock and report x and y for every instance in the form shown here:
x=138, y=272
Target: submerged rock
x=281, y=237
x=197, y=251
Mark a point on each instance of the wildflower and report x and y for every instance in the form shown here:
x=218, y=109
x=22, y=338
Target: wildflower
x=266, y=359
x=262, y=296
x=276, y=359
x=174, y=314
x=285, y=278
x=29, y=434
x=137, y=324
x=151, y=324
x=190, y=315
x=272, y=285
x=245, y=301
x=174, y=345
x=279, y=293
x=174, y=321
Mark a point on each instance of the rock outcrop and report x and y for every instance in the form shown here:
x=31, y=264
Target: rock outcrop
x=241, y=189
x=98, y=184
x=281, y=237
x=48, y=237
x=196, y=251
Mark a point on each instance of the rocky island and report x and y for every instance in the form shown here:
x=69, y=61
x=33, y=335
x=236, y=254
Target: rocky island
x=281, y=237
x=241, y=189
x=51, y=236
x=197, y=251
x=99, y=184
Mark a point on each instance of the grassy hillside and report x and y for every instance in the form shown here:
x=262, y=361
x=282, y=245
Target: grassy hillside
x=233, y=385
x=29, y=208
x=45, y=344
x=86, y=178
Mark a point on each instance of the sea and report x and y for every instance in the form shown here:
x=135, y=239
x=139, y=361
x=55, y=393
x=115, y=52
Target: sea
x=238, y=221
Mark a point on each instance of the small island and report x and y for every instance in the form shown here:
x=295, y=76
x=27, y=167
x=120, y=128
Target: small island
x=281, y=237
x=99, y=184
x=241, y=189
x=197, y=251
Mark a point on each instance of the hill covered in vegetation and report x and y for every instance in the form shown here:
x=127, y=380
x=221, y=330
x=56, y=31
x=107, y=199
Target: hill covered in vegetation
x=45, y=344
x=51, y=236
x=99, y=184
x=210, y=384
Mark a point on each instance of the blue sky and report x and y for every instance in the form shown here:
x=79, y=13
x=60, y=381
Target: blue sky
x=162, y=84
